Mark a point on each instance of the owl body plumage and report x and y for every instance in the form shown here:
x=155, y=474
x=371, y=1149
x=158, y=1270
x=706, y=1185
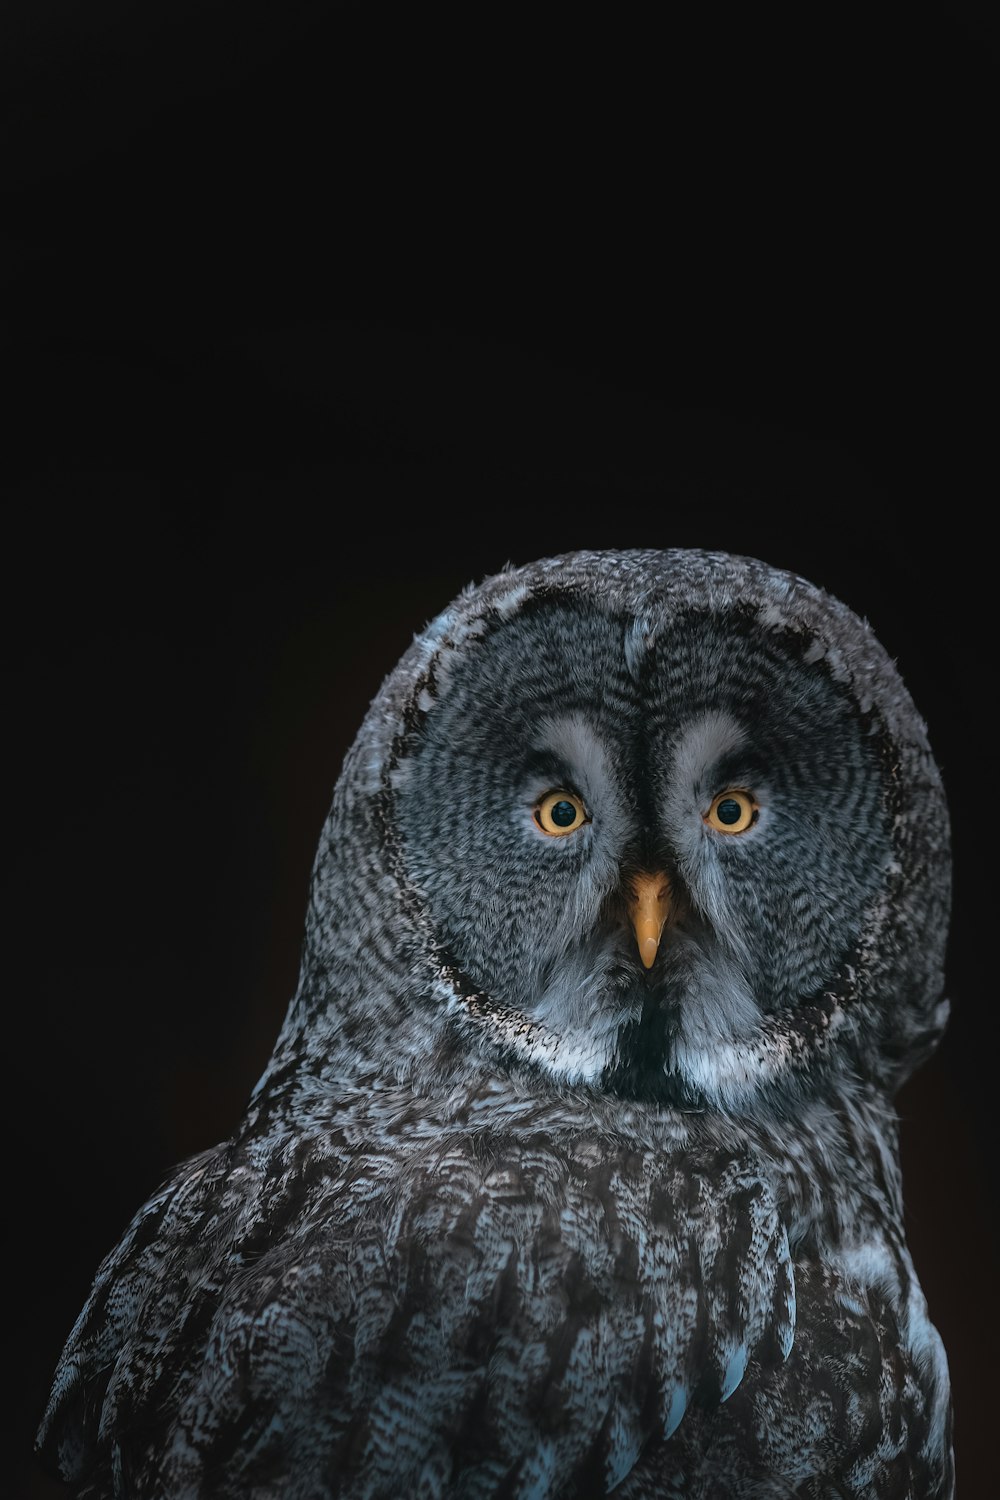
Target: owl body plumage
x=511, y=1213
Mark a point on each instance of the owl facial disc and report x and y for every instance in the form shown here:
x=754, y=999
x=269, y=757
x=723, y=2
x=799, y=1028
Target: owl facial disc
x=725, y=731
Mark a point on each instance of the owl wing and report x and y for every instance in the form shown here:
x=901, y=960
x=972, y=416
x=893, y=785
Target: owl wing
x=519, y=1313
x=137, y=1311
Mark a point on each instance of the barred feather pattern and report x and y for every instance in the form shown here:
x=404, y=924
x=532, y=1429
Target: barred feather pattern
x=530, y=1309
x=454, y=1273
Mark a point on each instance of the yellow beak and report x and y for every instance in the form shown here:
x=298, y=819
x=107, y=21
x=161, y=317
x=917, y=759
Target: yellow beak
x=649, y=908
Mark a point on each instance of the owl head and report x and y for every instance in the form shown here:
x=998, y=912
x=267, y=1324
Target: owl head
x=660, y=825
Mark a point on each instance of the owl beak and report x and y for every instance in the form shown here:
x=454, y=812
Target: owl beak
x=648, y=909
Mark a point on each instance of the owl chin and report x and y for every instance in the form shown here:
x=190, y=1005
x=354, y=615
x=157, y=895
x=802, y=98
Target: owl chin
x=693, y=996
x=630, y=1030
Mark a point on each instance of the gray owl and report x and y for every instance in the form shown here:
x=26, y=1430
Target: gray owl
x=574, y=1171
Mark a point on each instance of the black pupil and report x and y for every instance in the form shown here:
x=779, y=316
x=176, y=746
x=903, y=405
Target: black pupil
x=728, y=811
x=562, y=814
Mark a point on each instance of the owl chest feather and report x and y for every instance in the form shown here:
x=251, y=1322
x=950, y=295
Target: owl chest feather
x=504, y=1301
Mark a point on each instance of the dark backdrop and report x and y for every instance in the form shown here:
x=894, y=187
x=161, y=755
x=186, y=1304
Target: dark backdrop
x=312, y=322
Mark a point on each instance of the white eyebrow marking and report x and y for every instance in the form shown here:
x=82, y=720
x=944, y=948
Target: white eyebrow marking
x=701, y=746
x=574, y=740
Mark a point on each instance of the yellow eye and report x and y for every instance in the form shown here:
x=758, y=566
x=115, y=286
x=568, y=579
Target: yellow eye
x=559, y=813
x=732, y=812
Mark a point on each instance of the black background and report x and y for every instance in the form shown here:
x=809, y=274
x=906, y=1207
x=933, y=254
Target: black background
x=313, y=320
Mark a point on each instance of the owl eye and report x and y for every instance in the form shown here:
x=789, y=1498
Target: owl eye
x=732, y=812
x=560, y=812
